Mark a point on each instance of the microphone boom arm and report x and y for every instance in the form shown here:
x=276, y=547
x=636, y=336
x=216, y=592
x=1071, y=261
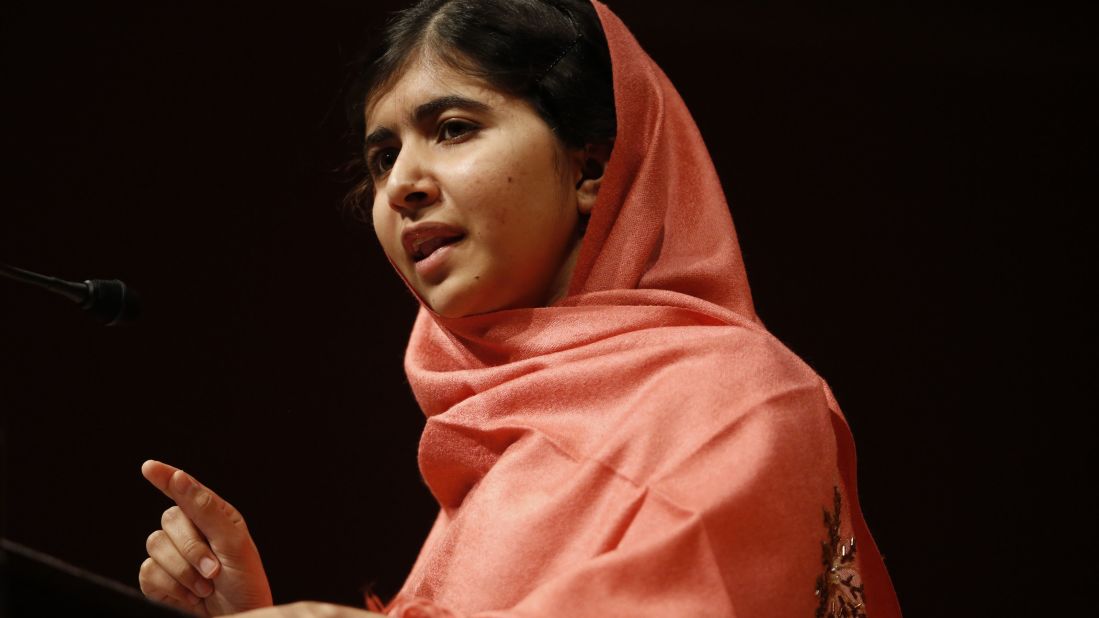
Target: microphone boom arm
x=107, y=299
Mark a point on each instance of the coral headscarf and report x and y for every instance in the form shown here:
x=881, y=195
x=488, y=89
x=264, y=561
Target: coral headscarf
x=644, y=446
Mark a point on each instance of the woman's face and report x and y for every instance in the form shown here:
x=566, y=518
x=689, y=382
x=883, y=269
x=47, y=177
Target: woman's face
x=475, y=198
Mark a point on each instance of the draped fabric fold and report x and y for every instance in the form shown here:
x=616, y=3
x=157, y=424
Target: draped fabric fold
x=644, y=446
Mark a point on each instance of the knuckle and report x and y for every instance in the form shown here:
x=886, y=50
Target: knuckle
x=203, y=499
x=144, y=574
x=234, y=516
x=194, y=549
x=313, y=609
x=170, y=515
x=154, y=539
x=157, y=584
x=186, y=579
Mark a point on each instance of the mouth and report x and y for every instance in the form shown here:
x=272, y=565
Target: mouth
x=431, y=245
x=422, y=240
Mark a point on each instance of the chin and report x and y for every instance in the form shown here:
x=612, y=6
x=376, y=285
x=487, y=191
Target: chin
x=454, y=298
x=467, y=303
x=451, y=303
x=448, y=311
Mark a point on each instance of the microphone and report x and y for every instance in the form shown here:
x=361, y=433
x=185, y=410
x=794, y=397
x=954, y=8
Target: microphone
x=108, y=300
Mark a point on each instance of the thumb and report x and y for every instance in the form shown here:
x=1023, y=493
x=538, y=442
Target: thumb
x=216, y=519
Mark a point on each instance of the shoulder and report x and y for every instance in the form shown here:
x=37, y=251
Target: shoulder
x=726, y=398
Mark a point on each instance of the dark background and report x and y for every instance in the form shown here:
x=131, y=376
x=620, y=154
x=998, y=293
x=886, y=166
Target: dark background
x=907, y=181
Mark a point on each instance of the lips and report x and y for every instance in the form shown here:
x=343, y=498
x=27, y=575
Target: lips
x=423, y=239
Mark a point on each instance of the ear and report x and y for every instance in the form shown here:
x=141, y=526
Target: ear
x=589, y=164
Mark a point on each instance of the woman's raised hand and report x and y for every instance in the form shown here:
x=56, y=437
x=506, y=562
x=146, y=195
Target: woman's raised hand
x=203, y=559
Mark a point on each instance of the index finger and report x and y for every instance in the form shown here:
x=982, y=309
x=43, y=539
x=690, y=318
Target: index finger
x=159, y=474
x=215, y=518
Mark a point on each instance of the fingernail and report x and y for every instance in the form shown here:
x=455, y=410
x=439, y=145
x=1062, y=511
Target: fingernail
x=203, y=588
x=207, y=566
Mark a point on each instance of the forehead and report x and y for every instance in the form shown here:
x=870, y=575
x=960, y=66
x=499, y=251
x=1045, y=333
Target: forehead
x=424, y=80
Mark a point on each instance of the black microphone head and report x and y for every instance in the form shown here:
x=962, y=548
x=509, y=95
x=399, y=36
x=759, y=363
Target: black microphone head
x=111, y=301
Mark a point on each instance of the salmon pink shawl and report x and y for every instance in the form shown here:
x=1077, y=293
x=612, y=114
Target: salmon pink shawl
x=643, y=447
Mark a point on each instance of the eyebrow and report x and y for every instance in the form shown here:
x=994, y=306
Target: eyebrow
x=424, y=111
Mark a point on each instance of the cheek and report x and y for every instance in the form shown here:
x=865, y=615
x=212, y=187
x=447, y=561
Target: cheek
x=487, y=189
x=507, y=188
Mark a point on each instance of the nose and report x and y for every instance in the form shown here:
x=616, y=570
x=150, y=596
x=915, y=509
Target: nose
x=411, y=186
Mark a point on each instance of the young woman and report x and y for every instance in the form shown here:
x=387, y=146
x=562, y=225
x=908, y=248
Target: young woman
x=611, y=430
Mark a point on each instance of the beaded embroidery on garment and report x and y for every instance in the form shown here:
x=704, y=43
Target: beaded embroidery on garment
x=839, y=586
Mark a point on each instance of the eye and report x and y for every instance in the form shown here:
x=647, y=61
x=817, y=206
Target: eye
x=455, y=129
x=382, y=160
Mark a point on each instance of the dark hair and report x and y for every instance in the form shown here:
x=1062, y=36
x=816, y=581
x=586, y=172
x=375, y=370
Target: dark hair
x=551, y=53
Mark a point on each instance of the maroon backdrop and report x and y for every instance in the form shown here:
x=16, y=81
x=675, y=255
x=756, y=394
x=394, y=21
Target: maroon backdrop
x=906, y=181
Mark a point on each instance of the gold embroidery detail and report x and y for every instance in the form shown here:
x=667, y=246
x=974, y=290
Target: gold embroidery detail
x=839, y=587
